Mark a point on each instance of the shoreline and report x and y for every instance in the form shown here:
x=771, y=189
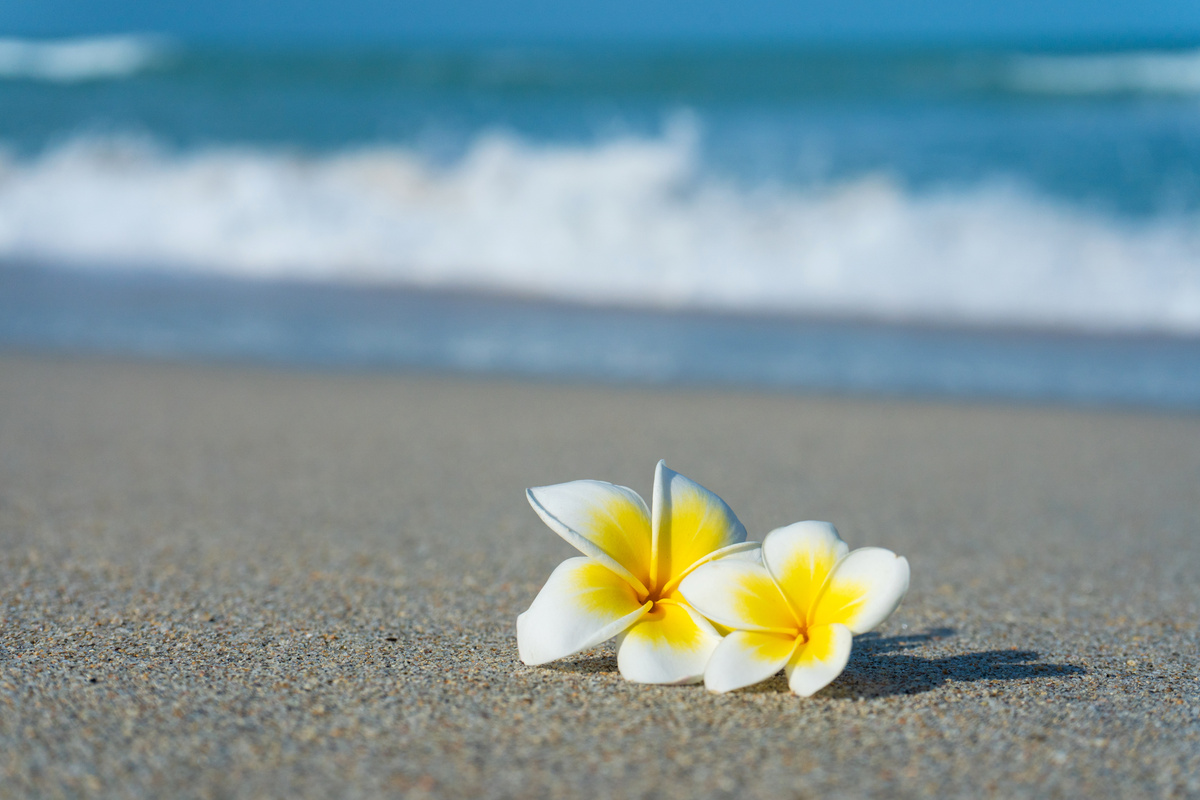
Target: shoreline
x=234, y=581
x=346, y=328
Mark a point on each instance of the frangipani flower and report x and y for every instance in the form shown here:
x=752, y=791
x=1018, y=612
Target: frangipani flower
x=627, y=582
x=797, y=609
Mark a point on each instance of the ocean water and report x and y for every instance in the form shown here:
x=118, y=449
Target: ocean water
x=1018, y=224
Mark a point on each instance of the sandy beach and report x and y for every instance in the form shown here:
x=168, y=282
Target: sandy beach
x=231, y=582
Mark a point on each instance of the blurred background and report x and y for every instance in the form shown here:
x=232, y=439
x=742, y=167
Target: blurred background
x=932, y=198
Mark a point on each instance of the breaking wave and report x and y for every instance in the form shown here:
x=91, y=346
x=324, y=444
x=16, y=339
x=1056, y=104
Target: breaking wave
x=1145, y=72
x=83, y=59
x=628, y=221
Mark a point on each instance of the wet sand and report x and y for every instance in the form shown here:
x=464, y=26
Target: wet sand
x=224, y=582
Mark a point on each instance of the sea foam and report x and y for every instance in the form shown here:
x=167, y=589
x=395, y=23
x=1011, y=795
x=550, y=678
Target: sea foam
x=81, y=59
x=1137, y=72
x=626, y=221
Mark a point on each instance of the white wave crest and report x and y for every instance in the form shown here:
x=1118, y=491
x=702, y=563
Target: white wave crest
x=84, y=59
x=1147, y=72
x=628, y=221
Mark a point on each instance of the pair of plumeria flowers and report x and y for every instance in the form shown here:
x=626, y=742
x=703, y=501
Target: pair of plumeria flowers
x=689, y=599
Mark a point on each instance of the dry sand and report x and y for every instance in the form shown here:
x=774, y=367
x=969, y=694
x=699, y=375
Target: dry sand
x=230, y=583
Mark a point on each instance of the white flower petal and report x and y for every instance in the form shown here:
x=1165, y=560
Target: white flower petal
x=582, y=604
x=744, y=658
x=610, y=523
x=671, y=644
x=863, y=591
x=688, y=523
x=801, y=557
x=818, y=661
x=739, y=594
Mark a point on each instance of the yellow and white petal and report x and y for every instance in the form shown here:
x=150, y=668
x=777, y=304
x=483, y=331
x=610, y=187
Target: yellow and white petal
x=583, y=604
x=739, y=594
x=815, y=664
x=742, y=551
x=801, y=557
x=688, y=523
x=610, y=523
x=744, y=658
x=671, y=644
x=863, y=591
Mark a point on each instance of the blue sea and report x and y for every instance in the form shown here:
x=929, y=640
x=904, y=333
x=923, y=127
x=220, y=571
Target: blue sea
x=992, y=223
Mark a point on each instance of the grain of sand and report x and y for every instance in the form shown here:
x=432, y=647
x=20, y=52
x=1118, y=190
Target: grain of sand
x=218, y=582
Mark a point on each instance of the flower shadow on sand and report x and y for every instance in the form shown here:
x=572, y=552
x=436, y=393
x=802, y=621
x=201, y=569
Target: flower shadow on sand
x=880, y=667
x=592, y=663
